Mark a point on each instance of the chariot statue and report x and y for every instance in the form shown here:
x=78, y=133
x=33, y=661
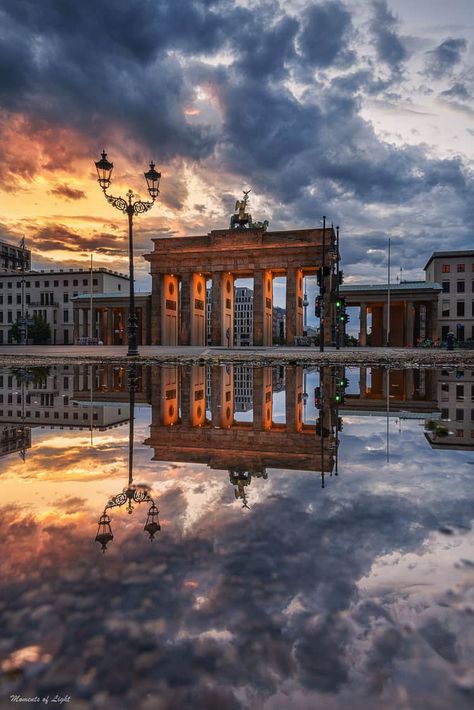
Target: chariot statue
x=242, y=219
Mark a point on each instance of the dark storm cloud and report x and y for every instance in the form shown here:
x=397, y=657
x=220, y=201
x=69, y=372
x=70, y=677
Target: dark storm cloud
x=388, y=45
x=58, y=237
x=442, y=60
x=69, y=193
x=326, y=28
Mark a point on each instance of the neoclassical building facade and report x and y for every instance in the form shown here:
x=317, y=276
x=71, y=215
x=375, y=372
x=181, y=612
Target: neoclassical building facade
x=180, y=268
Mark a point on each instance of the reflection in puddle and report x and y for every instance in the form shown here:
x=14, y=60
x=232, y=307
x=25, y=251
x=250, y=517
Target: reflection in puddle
x=300, y=557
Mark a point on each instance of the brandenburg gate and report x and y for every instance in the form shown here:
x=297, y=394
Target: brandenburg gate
x=181, y=266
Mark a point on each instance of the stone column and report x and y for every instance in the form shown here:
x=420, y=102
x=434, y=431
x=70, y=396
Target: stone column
x=185, y=310
x=170, y=311
x=409, y=324
x=263, y=308
x=110, y=335
x=216, y=310
x=363, y=324
x=185, y=391
x=85, y=322
x=363, y=383
x=198, y=310
x=156, y=309
x=198, y=395
x=294, y=398
x=75, y=316
x=216, y=396
x=294, y=304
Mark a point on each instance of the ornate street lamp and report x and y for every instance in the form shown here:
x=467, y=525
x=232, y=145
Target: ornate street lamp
x=104, y=171
x=131, y=493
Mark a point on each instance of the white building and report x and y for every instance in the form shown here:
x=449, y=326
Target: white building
x=49, y=294
x=454, y=270
x=455, y=390
x=14, y=258
x=50, y=401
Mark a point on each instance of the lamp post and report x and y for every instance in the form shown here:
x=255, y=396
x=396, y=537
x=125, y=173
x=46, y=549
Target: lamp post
x=104, y=171
x=131, y=493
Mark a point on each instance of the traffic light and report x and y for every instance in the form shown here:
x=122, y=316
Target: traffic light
x=341, y=384
x=317, y=397
x=317, y=307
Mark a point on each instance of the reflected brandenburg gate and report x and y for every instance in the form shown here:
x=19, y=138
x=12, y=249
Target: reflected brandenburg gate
x=194, y=419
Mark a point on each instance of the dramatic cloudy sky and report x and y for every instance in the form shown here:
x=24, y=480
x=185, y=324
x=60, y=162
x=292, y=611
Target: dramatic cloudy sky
x=361, y=110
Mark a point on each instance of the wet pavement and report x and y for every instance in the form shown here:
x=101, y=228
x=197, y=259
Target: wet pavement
x=313, y=546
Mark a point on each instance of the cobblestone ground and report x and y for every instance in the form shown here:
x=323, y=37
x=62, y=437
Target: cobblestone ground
x=40, y=355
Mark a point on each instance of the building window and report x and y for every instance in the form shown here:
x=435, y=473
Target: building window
x=66, y=298
x=46, y=284
x=18, y=284
x=445, y=268
x=9, y=299
x=460, y=286
x=9, y=284
x=37, y=284
x=461, y=268
x=460, y=309
x=459, y=434
x=18, y=298
x=10, y=317
x=75, y=282
x=445, y=309
x=119, y=287
x=65, y=282
x=95, y=282
x=56, y=283
x=459, y=391
x=66, y=317
x=85, y=282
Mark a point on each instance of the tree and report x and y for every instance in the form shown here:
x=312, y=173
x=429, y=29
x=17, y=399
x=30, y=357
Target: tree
x=38, y=330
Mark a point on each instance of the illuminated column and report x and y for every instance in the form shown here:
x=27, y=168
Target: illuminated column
x=262, y=398
x=263, y=308
x=185, y=310
x=156, y=308
x=198, y=395
x=169, y=325
x=198, y=310
x=169, y=398
x=227, y=396
x=294, y=304
x=363, y=325
x=216, y=312
x=185, y=396
x=294, y=398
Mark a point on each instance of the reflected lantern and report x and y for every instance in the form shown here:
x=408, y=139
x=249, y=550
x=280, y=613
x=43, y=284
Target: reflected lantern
x=152, y=524
x=104, y=532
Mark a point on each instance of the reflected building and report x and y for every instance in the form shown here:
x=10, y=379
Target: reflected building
x=14, y=439
x=405, y=393
x=60, y=396
x=186, y=428
x=455, y=392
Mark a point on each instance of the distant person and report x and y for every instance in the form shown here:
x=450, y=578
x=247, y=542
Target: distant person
x=227, y=335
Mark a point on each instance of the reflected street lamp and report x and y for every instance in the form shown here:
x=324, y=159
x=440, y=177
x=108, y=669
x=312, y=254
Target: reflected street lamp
x=104, y=171
x=131, y=493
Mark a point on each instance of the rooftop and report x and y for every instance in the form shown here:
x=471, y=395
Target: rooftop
x=36, y=272
x=449, y=255
x=110, y=294
x=403, y=286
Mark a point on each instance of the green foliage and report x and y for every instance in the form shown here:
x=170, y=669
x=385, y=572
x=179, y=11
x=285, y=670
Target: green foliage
x=38, y=330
